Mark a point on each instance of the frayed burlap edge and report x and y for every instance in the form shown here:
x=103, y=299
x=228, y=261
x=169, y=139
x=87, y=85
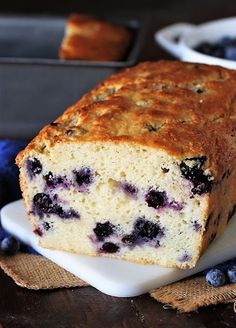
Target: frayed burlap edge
x=37, y=272
x=189, y=294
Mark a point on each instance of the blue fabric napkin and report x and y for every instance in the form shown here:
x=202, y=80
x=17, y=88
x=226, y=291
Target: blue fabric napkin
x=9, y=173
x=9, y=180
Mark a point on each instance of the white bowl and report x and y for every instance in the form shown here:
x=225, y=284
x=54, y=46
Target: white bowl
x=181, y=38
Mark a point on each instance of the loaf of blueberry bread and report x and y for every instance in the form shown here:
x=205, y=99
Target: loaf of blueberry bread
x=142, y=168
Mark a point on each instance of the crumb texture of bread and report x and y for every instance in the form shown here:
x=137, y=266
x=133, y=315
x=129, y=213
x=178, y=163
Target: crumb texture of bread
x=141, y=168
x=88, y=38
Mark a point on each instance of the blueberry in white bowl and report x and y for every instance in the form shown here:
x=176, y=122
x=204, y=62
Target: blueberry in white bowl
x=223, y=48
x=211, y=43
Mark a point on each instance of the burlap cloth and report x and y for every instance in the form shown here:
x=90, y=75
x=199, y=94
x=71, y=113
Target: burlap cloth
x=37, y=272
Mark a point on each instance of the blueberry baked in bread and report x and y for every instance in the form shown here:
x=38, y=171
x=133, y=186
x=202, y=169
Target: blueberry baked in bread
x=142, y=168
x=88, y=38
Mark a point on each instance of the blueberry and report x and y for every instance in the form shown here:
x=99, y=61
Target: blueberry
x=46, y=226
x=191, y=169
x=50, y=182
x=223, y=266
x=65, y=214
x=53, y=181
x=209, y=49
x=204, y=48
x=175, y=205
x=34, y=167
x=109, y=248
x=10, y=245
x=225, y=47
x=197, y=226
x=185, y=257
x=58, y=210
x=215, y=278
x=42, y=204
x=230, y=52
x=155, y=198
x=231, y=272
x=146, y=229
x=103, y=230
x=217, y=51
x=129, y=239
x=83, y=177
x=224, y=41
x=129, y=189
x=70, y=214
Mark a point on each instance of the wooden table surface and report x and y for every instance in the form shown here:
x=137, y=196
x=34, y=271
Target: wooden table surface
x=87, y=307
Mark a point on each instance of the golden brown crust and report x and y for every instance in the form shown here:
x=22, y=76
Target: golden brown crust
x=185, y=109
x=88, y=38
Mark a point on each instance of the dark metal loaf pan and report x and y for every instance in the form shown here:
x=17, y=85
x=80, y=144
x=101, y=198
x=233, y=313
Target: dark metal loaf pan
x=36, y=86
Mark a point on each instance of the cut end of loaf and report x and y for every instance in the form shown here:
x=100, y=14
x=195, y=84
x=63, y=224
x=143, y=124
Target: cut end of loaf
x=120, y=200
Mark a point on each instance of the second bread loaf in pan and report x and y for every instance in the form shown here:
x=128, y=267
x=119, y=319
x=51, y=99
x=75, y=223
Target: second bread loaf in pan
x=88, y=38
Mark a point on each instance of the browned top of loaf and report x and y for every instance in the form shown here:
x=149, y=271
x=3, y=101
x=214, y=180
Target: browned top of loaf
x=88, y=38
x=186, y=109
